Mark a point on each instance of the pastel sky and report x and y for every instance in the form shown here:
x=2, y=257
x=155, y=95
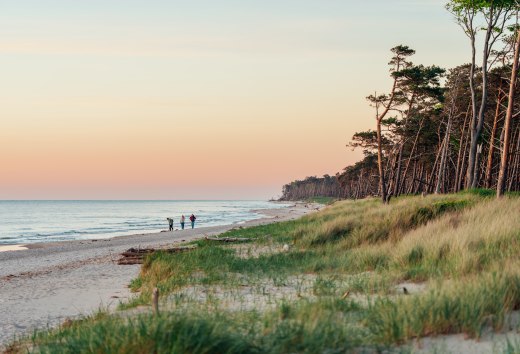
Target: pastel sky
x=196, y=99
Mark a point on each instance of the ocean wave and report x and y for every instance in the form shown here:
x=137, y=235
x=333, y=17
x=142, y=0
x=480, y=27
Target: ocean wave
x=62, y=220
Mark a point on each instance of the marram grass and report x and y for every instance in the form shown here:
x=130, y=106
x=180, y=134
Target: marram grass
x=465, y=307
x=344, y=275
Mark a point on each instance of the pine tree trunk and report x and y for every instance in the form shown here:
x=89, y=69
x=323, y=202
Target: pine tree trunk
x=382, y=183
x=461, y=153
x=489, y=167
x=478, y=121
x=502, y=175
x=442, y=167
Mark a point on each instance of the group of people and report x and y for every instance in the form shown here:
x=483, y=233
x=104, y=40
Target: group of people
x=182, y=221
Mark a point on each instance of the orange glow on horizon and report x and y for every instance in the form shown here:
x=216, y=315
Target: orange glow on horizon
x=185, y=100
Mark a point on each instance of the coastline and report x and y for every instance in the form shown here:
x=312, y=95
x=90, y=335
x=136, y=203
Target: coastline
x=86, y=222
x=42, y=284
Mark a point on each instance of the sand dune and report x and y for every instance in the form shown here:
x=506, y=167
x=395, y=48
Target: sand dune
x=45, y=284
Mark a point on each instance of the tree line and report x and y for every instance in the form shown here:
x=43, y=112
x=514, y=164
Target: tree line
x=438, y=130
x=326, y=186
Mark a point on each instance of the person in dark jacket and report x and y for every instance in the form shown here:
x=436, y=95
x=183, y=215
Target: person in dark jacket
x=170, y=223
x=192, y=219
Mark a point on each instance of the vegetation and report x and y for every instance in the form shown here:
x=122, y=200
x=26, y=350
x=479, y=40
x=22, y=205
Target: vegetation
x=312, y=187
x=362, y=275
x=338, y=287
x=321, y=200
x=443, y=136
x=434, y=143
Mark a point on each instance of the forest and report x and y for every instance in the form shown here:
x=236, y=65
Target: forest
x=310, y=187
x=442, y=130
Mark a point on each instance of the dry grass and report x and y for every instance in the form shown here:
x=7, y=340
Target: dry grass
x=340, y=285
x=481, y=238
x=355, y=223
x=468, y=242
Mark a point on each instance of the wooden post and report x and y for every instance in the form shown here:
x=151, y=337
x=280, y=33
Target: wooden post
x=155, y=301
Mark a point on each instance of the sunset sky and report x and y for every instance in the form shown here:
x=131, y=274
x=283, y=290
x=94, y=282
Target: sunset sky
x=198, y=99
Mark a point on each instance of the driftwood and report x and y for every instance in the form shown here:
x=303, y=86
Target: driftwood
x=136, y=255
x=228, y=239
x=130, y=261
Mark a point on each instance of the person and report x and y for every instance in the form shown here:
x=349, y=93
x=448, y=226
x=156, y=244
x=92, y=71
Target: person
x=170, y=223
x=182, y=221
x=192, y=219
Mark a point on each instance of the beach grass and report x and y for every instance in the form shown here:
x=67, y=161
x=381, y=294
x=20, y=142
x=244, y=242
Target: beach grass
x=321, y=200
x=512, y=347
x=458, y=307
x=358, y=275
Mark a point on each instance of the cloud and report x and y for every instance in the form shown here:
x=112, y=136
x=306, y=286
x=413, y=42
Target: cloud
x=186, y=47
x=297, y=35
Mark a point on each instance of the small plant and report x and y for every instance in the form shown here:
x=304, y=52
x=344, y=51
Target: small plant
x=416, y=255
x=324, y=287
x=512, y=347
x=285, y=311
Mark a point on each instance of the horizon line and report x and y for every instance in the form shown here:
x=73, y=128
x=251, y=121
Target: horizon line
x=133, y=200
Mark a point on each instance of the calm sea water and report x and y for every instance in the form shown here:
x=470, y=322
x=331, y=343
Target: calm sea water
x=48, y=221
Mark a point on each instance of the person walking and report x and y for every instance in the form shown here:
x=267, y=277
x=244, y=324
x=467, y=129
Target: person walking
x=192, y=219
x=183, y=218
x=170, y=223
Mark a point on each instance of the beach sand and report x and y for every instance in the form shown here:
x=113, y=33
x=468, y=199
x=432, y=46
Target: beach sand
x=13, y=248
x=47, y=283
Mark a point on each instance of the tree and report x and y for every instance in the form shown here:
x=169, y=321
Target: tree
x=509, y=114
x=427, y=128
x=495, y=14
x=383, y=104
x=420, y=88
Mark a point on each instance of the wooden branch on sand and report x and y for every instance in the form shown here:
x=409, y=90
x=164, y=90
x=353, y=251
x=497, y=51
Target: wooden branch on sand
x=130, y=261
x=228, y=239
x=136, y=255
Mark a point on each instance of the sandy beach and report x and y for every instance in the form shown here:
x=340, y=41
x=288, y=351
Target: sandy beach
x=47, y=283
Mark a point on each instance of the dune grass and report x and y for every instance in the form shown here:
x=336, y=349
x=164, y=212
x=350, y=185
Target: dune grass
x=195, y=332
x=148, y=334
x=347, y=238
x=466, y=307
x=342, y=279
x=321, y=200
x=512, y=347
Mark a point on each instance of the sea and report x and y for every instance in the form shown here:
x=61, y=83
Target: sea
x=25, y=222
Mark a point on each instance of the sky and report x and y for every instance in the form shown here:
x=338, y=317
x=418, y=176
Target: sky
x=198, y=99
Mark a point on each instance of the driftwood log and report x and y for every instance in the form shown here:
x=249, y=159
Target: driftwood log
x=136, y=255
x=228, y=239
